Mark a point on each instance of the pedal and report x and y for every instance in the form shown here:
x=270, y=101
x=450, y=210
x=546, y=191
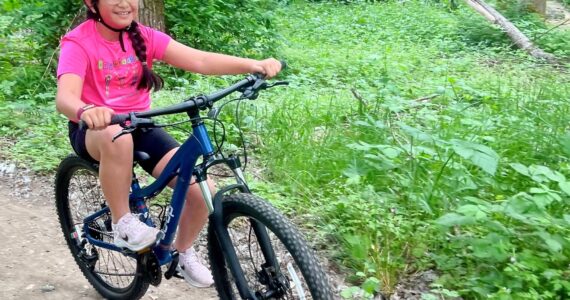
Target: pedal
x=172, y=268
x=177, y=272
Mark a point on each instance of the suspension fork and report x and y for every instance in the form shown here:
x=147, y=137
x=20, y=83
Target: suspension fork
x=224, y=240
x=263, y=238
x=265, y=245
x=216, y=217
x=217, y=220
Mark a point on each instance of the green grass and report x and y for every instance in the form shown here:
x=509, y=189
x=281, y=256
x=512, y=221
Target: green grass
x=387, y=174
x=411, y=138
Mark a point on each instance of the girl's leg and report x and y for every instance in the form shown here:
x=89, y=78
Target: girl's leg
x=115, y=173
x=193, y=218
x=195, y=212
x=115, y=166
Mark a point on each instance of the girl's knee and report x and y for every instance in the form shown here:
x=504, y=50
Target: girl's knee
x=102, y=143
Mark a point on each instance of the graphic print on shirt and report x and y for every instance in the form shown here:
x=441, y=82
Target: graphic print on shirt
x=119, y=74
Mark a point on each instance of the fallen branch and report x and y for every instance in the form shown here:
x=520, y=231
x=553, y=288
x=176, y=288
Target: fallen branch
x=426, y=98
x=358, y=97
x=511, y=30
x=551, y=29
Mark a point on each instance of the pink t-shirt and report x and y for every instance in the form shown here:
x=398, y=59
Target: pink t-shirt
x=110, y=76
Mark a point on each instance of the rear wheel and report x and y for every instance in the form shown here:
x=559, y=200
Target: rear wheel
x=78, y=195
x=297, y=273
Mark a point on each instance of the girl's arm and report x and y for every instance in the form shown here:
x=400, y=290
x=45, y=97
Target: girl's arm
x=68, y=97
x=209, y=63
x=68, y=102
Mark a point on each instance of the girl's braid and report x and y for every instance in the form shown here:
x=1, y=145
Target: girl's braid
x=149, y=78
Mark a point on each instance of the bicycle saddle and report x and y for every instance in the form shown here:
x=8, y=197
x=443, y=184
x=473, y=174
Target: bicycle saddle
x=139, y=156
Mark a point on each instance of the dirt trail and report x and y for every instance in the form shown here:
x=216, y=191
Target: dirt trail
x=35, y=262
x=557, y=14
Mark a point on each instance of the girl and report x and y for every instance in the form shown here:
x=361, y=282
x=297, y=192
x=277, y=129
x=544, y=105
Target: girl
x=105, y=67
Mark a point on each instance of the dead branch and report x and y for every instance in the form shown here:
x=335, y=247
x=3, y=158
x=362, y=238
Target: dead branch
x=518, y=38
x=426, y=98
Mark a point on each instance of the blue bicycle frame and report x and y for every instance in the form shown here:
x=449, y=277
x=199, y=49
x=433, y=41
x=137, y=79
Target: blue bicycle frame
x=181, y=165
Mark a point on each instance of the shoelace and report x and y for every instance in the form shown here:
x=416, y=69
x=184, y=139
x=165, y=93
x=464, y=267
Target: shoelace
x=190, y=258
x=132, y=224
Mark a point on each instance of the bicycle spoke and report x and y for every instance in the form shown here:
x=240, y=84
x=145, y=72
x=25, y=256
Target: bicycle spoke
x=251, y=260
x=267, y=248
x=85, y=198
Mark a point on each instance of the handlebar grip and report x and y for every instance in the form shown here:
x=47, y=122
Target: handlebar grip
x=262, y=76
x=283, y=65
x=119, y=118
x=82, y=125
x=115, y=119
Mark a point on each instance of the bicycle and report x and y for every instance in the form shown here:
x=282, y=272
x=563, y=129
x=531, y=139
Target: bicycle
x=254, y=251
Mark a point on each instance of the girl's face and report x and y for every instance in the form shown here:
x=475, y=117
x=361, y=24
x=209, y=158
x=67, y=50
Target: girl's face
x=117, y=13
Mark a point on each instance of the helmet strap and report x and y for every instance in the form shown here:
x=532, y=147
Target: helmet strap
x=120, y=31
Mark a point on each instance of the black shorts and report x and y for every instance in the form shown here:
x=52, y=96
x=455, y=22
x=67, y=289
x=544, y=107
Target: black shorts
x=156, y=142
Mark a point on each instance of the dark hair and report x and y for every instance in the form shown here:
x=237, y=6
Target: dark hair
x=149, y=79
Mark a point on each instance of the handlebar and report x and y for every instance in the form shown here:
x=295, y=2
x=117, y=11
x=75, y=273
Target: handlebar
x=197, y=102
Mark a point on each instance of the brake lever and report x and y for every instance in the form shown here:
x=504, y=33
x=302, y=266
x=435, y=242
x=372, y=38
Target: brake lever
x=135, y=123
x=276, y=84
x=213, y=113
x=253, y=91
x=126, y=130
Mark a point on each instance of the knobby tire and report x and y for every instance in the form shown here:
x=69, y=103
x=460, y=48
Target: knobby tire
x=287, y=242
x=78, y=194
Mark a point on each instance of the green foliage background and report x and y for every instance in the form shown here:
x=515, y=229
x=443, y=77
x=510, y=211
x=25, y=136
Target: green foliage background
x=413, y=136
x=234, y=27
x=30, y=33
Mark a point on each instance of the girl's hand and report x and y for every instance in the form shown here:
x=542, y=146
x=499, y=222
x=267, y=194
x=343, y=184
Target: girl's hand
x=97, y=118
x=269, y=67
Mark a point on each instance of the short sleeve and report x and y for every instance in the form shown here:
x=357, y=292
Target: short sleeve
x=161, y=40
x=158, y=41
x=72, y=59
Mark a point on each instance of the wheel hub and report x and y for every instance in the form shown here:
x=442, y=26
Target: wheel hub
x=277, y=284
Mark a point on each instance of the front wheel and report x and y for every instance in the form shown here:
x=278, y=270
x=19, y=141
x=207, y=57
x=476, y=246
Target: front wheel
x=296, y=274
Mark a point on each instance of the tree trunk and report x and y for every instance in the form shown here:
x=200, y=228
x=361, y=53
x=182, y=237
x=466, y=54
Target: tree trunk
x=512, y=31
x=151, y=13
x=538, y=6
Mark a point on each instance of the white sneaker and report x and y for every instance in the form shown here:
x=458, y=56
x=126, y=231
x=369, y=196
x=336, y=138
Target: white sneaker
x=133, y=234
x=194, y=272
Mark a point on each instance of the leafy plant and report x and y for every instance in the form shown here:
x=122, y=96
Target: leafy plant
x=407, y=142
x=28, y=46
x=392, y=160
x=234, y=27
